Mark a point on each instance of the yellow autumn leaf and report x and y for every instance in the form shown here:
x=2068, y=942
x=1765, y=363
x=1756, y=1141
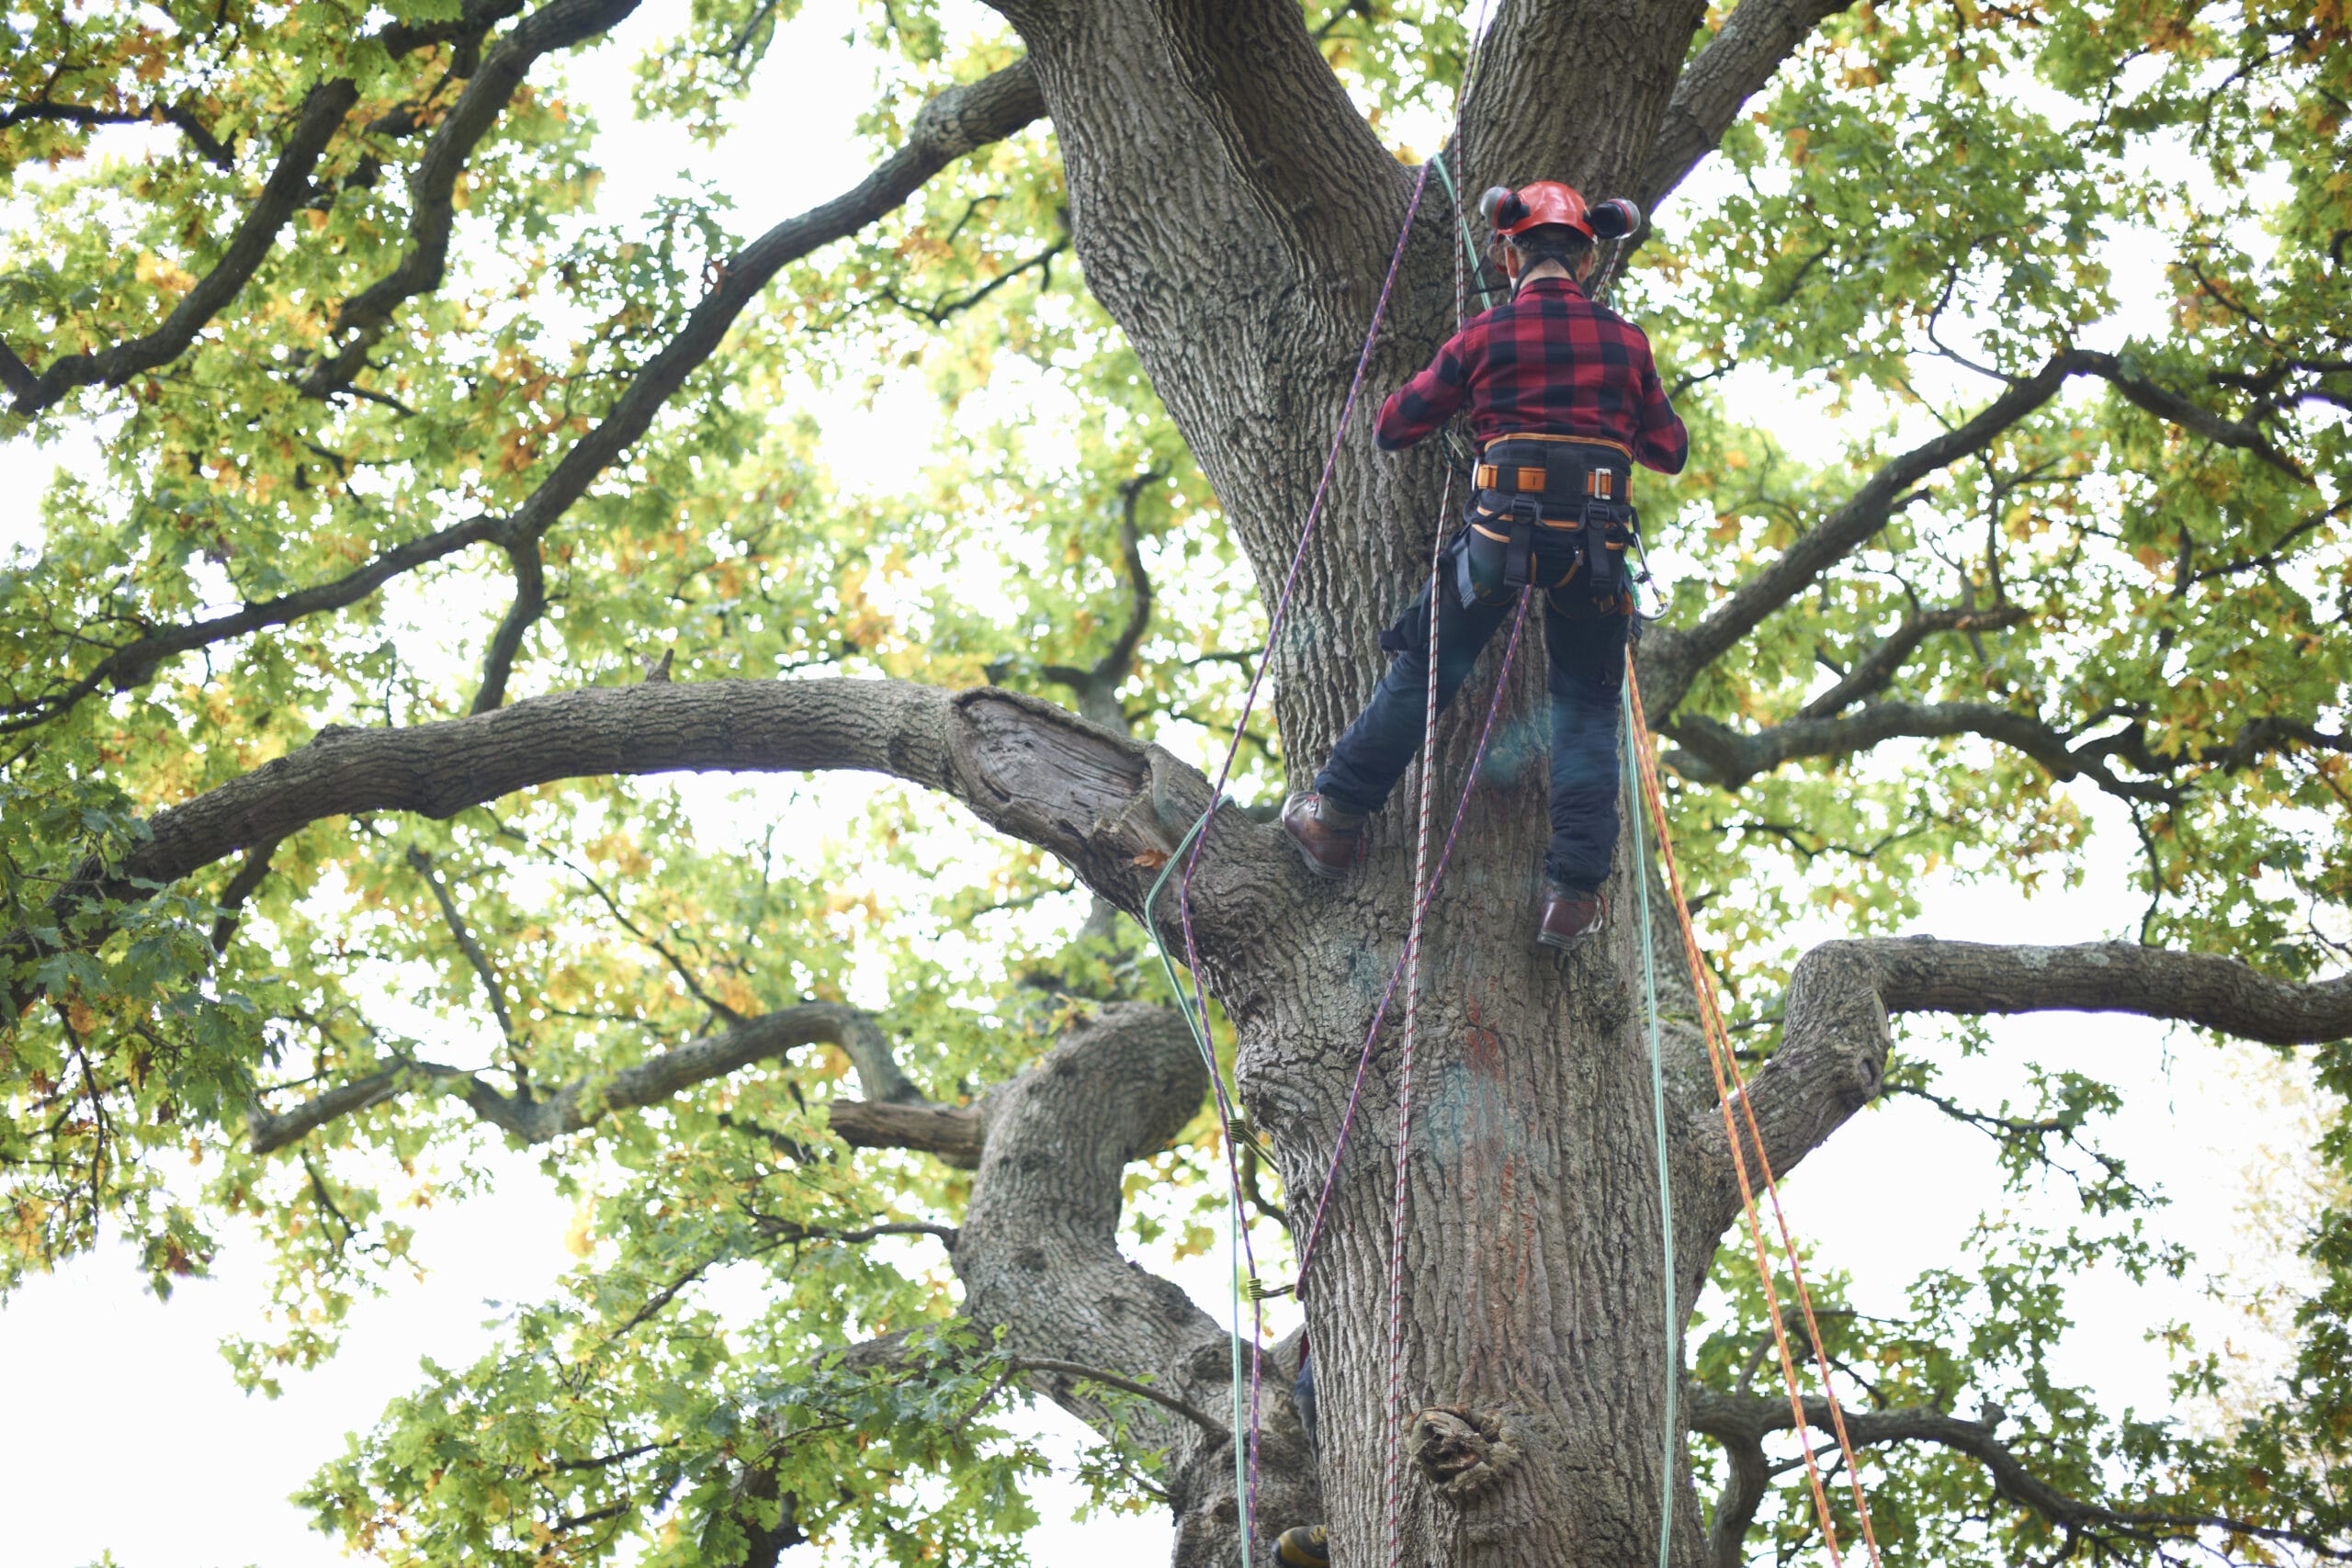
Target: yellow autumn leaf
x=169, y=277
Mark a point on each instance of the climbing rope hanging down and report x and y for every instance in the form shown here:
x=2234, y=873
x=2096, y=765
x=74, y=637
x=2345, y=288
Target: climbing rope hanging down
x=1195, y=1009
x=1658, y=1111
x=1731, y=1087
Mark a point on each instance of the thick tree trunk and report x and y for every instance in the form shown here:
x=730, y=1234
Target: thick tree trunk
x=1534, y=1282
x=1534, y=1294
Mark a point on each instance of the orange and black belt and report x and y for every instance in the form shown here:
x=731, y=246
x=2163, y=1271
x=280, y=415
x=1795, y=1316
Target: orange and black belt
x=1571, y=483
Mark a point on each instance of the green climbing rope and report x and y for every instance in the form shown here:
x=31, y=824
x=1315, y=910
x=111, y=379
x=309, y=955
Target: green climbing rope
x=1469, y=247
x=1658, y=1105
x=1199, y=1028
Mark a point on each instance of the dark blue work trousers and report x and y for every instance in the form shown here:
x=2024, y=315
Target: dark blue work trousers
x=1587, y=648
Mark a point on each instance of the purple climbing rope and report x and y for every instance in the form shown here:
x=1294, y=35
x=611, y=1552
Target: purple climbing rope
x=1225, y=1109
x=1217, y=798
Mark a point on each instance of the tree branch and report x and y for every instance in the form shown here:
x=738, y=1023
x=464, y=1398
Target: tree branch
x=1735, y=64
x=1216, y=1429
x=1110, y=808
x=1874, y=669
x=2169, y=405
x=940, y=312
x=588, y=1100
x=433, y=186
x=1045, y=1282
x=1670, y=660
x=1928, y=975
x=790, y=1232
x=134, y=663
x=1715, y=753
x=495, y=989
x=956, y=121
x=1744, y=1422
x=289, y=186
x=1039, y=1257
x=1097, y=686
x=1745, y=1478
x=529, y=603
x=952, y=1132
x=1832, y=1059
x=241, y=887
x=199, y=136
x=1677, y=657
x=474, y=18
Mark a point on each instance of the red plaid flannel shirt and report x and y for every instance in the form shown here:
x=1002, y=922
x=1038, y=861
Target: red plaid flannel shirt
x=1548, y=361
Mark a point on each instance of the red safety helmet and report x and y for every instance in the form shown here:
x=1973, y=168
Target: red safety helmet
x=1547, y=203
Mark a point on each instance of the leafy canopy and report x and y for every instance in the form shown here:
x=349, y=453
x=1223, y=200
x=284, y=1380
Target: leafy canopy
x=1930, y=201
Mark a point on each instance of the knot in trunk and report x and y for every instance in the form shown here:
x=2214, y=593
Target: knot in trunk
x=1463, y=1453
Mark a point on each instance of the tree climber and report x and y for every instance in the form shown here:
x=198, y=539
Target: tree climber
x=1564, y=398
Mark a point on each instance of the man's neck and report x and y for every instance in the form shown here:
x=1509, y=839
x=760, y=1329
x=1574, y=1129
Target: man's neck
x=1545, y=269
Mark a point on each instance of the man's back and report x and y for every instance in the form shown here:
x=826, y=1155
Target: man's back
x=1549, y=361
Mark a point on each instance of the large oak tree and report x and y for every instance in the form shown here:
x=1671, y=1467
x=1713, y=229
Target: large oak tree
x=383, y=397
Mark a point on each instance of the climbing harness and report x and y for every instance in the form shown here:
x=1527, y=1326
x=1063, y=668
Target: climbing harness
x=1552, y=497
x=1731, y=1087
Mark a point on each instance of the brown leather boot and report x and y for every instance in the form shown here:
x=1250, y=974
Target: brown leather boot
x=1570, y=916
x=1304, y=1546
x=1329, y=841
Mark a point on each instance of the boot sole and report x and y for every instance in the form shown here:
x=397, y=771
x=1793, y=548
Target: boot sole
x=1566, y=943
x=1316, y=868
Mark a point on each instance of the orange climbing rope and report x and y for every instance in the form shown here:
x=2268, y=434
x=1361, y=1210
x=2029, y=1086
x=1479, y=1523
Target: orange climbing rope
x=1731, y=1086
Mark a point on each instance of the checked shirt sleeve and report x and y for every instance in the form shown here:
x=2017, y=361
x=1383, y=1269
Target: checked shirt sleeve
x=1664, y=444
x=1416, y=408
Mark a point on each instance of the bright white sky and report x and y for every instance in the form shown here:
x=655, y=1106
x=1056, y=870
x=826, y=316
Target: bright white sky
x=195, y=1474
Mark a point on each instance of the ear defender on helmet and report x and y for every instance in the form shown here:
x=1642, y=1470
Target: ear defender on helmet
x=1502, y=207
x=1614, y=220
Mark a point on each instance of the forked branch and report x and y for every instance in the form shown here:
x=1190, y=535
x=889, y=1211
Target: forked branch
x=289, y=186
x=958, y=121
x=1671, y=660
x=433, y=188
